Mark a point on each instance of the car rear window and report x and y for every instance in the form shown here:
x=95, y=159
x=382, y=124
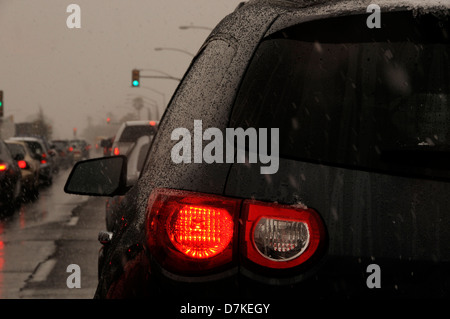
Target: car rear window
x=16, y=149
x=343, y=94
x=35, y=147
x=132, y=133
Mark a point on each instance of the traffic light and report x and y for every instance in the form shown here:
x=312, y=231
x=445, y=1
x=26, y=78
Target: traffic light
x=2, y=105
x=135, y=78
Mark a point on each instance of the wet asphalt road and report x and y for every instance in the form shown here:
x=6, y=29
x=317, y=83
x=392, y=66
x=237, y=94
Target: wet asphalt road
x=44, y=237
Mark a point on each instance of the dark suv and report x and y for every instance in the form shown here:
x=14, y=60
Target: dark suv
x=352, y=200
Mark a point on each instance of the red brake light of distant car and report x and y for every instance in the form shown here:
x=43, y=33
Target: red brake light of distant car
x=116, y=151
x=280, y=236
x=70, y=149
x=152, y=123
x=191, y=232
x=43, y=161
x=3, y=167
x=22, y=164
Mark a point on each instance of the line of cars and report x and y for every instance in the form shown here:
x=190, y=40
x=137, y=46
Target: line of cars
x=29, y=162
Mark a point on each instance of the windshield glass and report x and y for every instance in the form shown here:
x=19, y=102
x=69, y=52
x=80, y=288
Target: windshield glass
x=35, y=147
x=376, y=100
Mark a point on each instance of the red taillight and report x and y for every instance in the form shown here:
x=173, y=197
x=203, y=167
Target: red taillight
x=43, y=161
x=3, y=167
x=191, y=232
x=280, y=236
x=22, y=164
x=70, y=149
x=116, y=151
x=200, y=232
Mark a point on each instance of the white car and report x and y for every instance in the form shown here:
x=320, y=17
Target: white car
x=129, y=132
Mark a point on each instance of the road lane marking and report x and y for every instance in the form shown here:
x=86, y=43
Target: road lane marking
x=73, y=221
x=43, y=271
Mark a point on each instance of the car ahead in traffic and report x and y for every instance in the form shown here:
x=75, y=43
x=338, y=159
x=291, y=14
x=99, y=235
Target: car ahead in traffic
x=349, y=199
x=40, y=151
x=62, y=147
x=80, y=149
x=29, y=167
x=10, y=181
x=129, y=132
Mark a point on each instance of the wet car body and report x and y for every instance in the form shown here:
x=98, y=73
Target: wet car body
x=80, y=149
x=394, y=216
x=29, y=167
x=136, y=155
x=41, y=152
x=62, y=147
x=10, y=180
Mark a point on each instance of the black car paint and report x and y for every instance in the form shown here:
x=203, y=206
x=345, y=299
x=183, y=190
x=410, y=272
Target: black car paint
x=10, y=180
x=207, y=92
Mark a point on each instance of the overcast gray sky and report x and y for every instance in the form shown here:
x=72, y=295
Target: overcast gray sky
x=76, y=73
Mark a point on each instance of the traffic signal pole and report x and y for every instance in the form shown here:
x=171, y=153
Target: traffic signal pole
x=136, y=77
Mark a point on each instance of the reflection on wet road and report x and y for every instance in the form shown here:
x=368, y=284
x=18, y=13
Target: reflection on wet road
x=27, y=238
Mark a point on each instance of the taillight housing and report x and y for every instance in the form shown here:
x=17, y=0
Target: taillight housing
x=196, y=233
x=280, y=236
x=190, y=232
x=116, y=151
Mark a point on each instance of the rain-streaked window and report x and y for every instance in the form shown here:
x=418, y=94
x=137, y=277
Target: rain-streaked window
x=376, y=99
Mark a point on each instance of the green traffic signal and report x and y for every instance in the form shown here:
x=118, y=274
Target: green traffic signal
x=135, y=78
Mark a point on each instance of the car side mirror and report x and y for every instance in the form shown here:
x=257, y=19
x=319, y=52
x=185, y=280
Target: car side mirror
x=104, y=176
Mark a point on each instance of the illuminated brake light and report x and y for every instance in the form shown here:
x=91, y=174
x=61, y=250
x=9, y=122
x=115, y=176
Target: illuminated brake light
x=191, y=232
x=116, y=151
x=200, y=232
x=281, y=236
x=3, y=167
x=152, y=123
x=43, y=161
x=70, y=149
x=22, y=164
